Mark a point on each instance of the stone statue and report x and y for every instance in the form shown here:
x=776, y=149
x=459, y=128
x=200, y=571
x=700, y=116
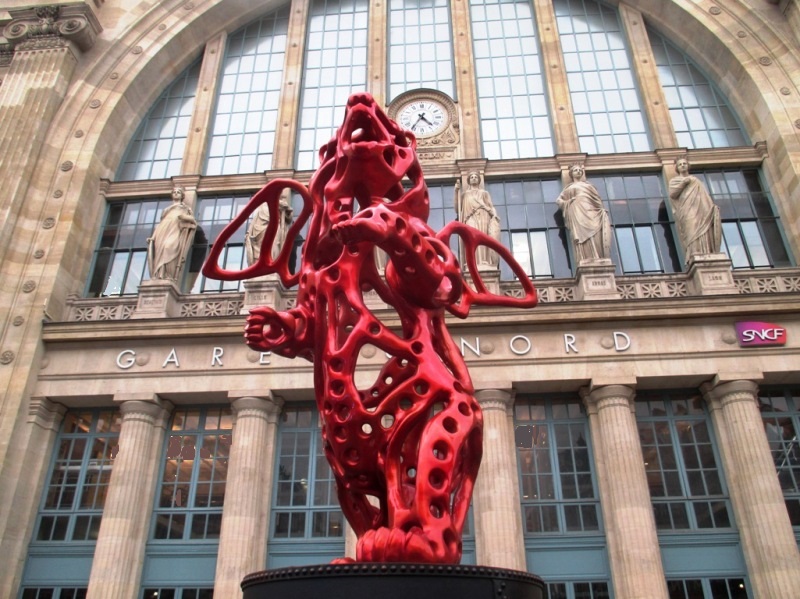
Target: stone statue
x=167, y=248
x=586, y=218
x=258, y=227
x=696, y=215
x=474, y=208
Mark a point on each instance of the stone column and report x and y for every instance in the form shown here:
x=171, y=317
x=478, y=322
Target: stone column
x=634, y=556
x=47, y=42
x=245, y=515
x=497, y=510
x=119, y=554
x=768, y=542
x=23, y=478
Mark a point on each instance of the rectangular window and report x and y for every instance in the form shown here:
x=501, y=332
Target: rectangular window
x=643, y=241
x=305, y=505
x=54, y=593
x=751, y=232
x=335, y=67
x=74, y=497
x=686, y=484
x=120, y=262
x=577, y=590
x=243, y=130
x=177, y=593
x=707, y=588
x=532, y=226
x=512, y=98
x=557, y=482
x=195, y=470
x=602, y=86
x=420, y=46
x=780, y=412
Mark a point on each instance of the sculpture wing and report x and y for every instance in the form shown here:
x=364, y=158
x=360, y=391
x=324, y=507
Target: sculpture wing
x=472, y=238
x=269, y=194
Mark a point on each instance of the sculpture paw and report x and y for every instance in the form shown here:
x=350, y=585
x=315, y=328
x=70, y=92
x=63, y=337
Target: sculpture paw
x=395, y=545
x=362, y=227
x=266, y=329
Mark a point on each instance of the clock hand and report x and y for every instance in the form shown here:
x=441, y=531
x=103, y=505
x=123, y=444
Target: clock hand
x=422, y=118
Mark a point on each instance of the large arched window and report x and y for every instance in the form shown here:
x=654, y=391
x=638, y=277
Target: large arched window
x=601, y=102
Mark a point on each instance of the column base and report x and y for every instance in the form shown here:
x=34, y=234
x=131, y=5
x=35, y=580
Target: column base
x=392, y=581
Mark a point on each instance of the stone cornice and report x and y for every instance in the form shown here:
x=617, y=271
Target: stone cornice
x=52, y=26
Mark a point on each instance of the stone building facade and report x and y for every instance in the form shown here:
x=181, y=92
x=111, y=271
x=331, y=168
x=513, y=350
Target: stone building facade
x=642, y=422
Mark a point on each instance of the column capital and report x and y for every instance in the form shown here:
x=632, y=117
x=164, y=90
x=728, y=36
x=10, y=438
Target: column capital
x=155, y=411
x=45, y=413
x=603, y=396
x=52, y=26
x=496, y=399
x=722, y=393
x=267, y=406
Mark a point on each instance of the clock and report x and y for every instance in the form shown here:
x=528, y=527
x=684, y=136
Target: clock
x=424, y=117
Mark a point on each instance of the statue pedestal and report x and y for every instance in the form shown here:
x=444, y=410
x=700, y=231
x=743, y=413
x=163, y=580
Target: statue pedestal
x=263, y=291
x=158, y=298
x=392, y=581
x=596, y=281
x=490, y=275
x=711, y=274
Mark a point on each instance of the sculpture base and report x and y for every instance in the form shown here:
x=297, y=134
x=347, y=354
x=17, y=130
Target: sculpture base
x=392, y=581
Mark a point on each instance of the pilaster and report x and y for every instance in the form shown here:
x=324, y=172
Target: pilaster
x=768, y=542
x=245, y=515
x=644, y=65
x=497, y=511
x=47, y=42
x=289, y=108
x=377, y=44
x=197, y=140
x=119, y=554
x=555, y=73
x=469, y=121
x=634, y=555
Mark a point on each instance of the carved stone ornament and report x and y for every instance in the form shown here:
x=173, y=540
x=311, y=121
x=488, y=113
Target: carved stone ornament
x=6, y=54
x=52, y=26
x=7, y=357
x=18, y=321
x=48, y=223
x=28, y=286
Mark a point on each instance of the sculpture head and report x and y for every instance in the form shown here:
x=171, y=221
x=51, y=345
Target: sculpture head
x=682, y=165
x=178, y=195
x=474, y=178
x=369, y=156
x=577, y=172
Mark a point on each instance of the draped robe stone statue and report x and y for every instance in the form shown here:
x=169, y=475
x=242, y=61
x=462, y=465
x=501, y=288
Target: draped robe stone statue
x=696, y=216
x=258, y=227
x=169, y=244
x=474, y=208
x=586, y=218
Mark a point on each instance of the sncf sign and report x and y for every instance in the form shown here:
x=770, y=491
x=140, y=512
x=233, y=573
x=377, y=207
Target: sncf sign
x=753, y=333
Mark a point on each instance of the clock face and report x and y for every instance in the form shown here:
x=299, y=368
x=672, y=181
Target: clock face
x=423, y=117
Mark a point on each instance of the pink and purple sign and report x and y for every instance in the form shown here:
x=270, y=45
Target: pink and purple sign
x=754, y=333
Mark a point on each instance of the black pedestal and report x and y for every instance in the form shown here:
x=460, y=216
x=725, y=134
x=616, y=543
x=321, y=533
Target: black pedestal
x=392, y=581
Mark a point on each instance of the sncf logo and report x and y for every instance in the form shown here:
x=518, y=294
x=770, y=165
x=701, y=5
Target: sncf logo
x=760, y=333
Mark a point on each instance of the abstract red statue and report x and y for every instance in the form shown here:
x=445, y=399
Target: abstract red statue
x=405, y=452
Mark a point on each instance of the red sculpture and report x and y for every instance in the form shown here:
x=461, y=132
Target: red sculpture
x=405, y=452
